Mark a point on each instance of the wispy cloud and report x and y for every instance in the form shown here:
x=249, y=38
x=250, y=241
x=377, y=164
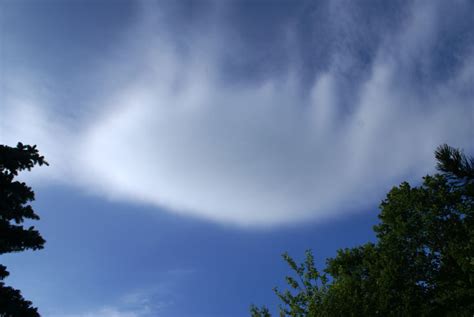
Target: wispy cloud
x=139, y=303
x=173, y=130
x=109, y=312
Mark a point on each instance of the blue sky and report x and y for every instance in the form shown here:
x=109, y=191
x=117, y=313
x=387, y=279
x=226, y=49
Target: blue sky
x=193, y=142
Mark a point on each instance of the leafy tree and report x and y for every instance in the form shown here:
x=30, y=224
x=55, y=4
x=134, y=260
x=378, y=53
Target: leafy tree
x=15, y=197
x=421, y=265
x=309, y=289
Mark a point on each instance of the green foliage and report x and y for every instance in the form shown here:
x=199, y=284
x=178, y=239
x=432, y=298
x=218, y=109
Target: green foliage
x=259, y=312
x=421, y=265
x=453, y=163
x=15, y=197
x=310, y=287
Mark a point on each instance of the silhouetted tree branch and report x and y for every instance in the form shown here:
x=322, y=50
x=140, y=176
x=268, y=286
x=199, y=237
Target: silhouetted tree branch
x=15, y=197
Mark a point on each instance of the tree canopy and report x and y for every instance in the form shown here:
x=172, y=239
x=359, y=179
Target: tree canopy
x=422, y=263
x=15, y=208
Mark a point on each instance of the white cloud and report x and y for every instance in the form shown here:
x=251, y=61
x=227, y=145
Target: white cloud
x=140, y=303
x=108, y=312
x=175, y=135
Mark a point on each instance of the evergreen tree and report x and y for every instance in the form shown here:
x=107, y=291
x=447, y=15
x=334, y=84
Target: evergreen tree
x=15, y=197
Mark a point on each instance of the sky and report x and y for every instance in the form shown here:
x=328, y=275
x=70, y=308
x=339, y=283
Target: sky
x=191, y=143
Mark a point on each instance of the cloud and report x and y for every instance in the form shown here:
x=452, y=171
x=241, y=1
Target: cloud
x=176, y=131
x=132, y=305
x=141, y=303
x=108, y=312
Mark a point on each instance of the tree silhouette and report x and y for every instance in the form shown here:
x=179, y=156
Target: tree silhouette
x=454, y=163
x=15, y=197
x=421, y=265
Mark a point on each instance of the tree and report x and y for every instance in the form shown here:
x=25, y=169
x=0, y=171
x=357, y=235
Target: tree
x=15, y=197
x=421, y=265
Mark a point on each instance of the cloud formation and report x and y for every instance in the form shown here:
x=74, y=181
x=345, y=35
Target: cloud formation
x=132, y=305
x=108, y=312
x=174, y=129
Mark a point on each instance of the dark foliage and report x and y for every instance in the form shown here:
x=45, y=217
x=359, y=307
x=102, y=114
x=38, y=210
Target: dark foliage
x=421, y=265
x=15, y=197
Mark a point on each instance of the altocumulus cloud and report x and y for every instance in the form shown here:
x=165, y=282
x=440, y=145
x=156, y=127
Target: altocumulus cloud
x=175, y=130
